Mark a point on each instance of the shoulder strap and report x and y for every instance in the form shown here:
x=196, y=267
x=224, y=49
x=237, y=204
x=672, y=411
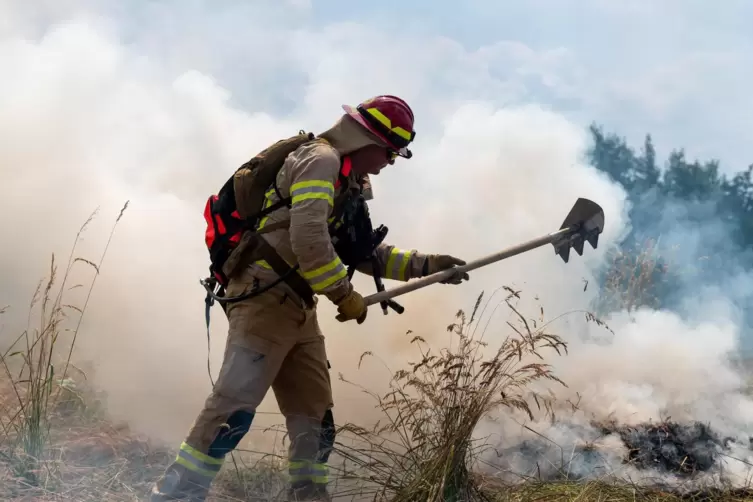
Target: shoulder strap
x=282, y=269
x=285, y=201
x=346, y=166
x=268, y=253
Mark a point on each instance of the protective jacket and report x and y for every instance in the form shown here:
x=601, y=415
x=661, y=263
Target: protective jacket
x=317, y=178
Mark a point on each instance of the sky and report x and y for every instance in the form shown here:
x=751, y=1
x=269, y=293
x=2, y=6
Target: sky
x=157, y=102
x=676, y=69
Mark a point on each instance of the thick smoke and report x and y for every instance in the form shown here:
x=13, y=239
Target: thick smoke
x=663, y=395
x=99, y=110
x=89, y=121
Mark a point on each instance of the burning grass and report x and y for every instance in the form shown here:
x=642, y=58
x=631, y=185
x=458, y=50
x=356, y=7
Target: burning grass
x=679, y=449
x=57, y=443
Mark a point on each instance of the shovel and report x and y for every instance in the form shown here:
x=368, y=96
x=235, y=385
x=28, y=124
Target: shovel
x=584, y=223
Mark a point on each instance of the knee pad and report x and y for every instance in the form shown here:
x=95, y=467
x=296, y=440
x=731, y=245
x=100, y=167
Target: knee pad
x=326, y=436
x=238, y=424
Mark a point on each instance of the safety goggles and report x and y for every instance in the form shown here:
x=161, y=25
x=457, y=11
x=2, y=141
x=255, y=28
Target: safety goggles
x=392, y=155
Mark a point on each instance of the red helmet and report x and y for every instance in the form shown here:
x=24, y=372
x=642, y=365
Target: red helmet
x=389, y=118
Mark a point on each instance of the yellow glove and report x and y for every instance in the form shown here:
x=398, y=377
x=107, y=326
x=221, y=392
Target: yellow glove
x=351, y=306
x=437, y=262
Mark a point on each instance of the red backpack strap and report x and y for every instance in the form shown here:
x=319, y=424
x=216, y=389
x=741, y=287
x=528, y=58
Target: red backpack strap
x=345, y=169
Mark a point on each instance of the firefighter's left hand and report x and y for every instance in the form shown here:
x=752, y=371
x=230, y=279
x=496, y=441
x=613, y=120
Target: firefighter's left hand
x=438, y=262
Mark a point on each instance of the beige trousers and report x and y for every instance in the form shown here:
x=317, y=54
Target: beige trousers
x=272, y=342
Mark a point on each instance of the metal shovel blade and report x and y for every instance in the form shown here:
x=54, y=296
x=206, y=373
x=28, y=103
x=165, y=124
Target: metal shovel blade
x=584, y=223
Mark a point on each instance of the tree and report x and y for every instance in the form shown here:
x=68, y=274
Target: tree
x=645, y=175
x=690, y=202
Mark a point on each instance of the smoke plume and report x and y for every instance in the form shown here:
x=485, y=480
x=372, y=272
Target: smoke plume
x=103, y=105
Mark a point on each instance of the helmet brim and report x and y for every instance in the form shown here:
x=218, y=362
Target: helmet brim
x=403, y=152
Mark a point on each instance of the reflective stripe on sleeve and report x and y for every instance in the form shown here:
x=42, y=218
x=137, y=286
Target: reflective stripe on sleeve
x=312, y=189
x=397, y=263
x=327, y=275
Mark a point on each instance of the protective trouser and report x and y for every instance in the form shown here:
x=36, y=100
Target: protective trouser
x=272, y=342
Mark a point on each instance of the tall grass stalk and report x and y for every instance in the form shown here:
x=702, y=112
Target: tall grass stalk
x=424, y=449
x=30, y=364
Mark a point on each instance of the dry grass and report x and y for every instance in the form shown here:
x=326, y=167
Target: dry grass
x=89, y=458
x=40, y=392
x=57, y=443
x=37, y=366
x=424, y=448
x=598, y=491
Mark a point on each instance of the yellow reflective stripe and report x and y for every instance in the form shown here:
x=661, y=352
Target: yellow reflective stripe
x=323, y=269
x=326, y=275
x=267, y=203
x=203, y=457
x=321, y=285
x=404, y=265
x=386, y=122
x=312, y=189
x=313, y=195
x=308, y=471
x=401, y=132
x=188, y=465
x=331, y=219
x=311, y=183
x=196, y=461
x=263, y=264
x=397, y=263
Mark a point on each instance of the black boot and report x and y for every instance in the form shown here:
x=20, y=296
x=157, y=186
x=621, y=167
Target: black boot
x=178, y=483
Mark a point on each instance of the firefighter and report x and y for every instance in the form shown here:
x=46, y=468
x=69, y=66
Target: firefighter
x=274, y=339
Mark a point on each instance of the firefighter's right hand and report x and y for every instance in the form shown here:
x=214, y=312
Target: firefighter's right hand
x=352, y=306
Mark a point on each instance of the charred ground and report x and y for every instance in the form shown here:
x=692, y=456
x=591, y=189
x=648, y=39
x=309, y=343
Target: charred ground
x=680, y=449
